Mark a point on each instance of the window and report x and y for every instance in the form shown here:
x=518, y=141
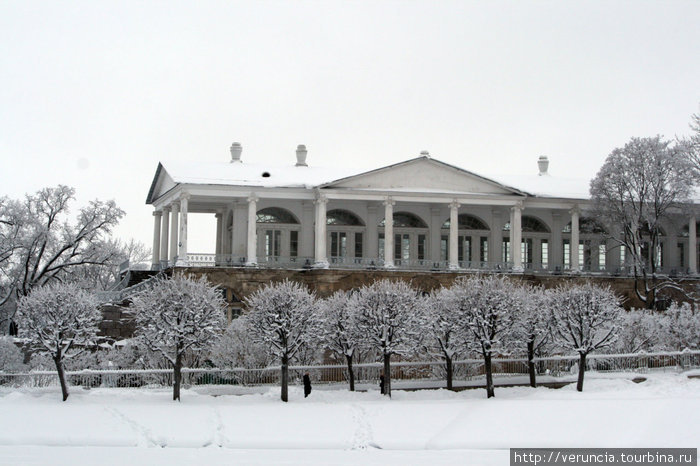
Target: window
x=293, y=243
x=406, y=220
x=567, y=254
x=342, y=217
x=421, y=247
x=275, y=215
x=381, y=246
x=273, y=239
x=467, y=222
x=484, y=249
x=526, y=250
x=622, y=255
x=444, y=240
x=358, y=245
x=505, y=250
x=339, y=244
x=602, y=254
x=544, y=253
x=681, y=255
x=464, y=248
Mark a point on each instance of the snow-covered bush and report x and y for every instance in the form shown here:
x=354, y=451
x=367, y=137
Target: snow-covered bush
x=281, y=319
x=530, y=331
x=442, y=338
x=679, y=328
x=585, y=318
x=336, y=315
x=385, y=319
x=640, y=330
x=11, y=357
x=59, y=320
x=177, y=316
x=484, y=307
x=236, y=348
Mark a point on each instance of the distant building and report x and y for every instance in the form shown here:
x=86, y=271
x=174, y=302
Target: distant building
x=420, y=214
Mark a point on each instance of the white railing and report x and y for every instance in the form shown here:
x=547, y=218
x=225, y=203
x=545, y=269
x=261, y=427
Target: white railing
x=368, y=373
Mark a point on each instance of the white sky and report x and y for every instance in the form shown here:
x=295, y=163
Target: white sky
x=94, y=94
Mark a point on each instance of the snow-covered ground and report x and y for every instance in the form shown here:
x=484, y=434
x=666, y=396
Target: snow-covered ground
x=137, y=426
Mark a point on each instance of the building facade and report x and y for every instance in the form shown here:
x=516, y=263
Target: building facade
x=420, y=214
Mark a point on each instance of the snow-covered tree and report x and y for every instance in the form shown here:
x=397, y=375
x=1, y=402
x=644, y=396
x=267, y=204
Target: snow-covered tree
x=679, y=328
x=281, y=319
x=633, y=193
x=179, y=315
x=38, y=244
x=11, y=357
x=442, y=337
x=385, y=316
x=337, y=327
x=640, y=330
x=236, y=348
x=484, y=307
x=585, y=318
x=59, y=320
x=531, y=324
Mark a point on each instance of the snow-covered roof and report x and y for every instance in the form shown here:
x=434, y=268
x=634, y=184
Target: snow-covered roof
x=248, y=174
x=308, y=177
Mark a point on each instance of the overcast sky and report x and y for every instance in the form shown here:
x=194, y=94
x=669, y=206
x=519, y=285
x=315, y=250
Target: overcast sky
x=93, y=94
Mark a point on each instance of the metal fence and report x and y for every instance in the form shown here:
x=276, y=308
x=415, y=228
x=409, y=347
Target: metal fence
x=420, y=371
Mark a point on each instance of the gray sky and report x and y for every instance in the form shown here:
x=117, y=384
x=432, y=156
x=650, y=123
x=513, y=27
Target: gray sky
x=94, y=94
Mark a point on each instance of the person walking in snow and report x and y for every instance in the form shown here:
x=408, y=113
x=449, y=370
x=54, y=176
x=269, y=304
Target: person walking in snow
x=307, y=385
x=381, y=383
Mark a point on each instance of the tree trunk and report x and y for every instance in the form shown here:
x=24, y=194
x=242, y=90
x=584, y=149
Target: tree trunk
x=285, y=378
x=448, y=368
x=581, y=371
x=489, y=376
x=387, y=374
x=351, y=374
x=177, y=376
x=61, y=375
x=531, y=362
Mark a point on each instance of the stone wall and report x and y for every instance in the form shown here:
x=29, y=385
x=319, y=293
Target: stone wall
x=239, y=283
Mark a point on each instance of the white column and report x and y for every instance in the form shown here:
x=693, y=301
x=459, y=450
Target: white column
x=219, y=236
x=174, y=230
x=320, y=258
x=182, y=245
x=251, y=244
x=496, y=237
x=516, y=238
x=372, y=247
x=454, y=232
x=692, y=245
x=389, y=232
x=164, y=233
x=573, y=247
x=157, y=215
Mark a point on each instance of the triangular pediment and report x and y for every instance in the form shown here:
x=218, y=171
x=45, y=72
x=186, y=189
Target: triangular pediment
x=423, y=174
x=162, y=183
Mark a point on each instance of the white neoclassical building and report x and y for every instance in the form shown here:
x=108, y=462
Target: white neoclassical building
x=418, y=214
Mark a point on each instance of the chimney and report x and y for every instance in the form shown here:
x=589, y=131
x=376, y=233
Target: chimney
x=236, y=150
x=543, y=165
x=301, y=156
x=425, y=153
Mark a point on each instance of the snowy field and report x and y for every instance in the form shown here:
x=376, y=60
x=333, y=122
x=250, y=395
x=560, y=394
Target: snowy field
x=138, y=426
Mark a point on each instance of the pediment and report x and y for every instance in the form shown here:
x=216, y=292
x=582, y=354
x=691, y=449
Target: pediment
x=423, y=174
x=162, y=183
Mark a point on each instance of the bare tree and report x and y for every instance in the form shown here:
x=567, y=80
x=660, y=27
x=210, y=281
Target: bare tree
x=179, y=315
x=281, y=319
x=484, y=307
x=59, y=320
x=585, y=318
x=531, y=324
x=633, y=194
x=386, y=311
x=442, y=330
x=337, y=326
x=39, y=245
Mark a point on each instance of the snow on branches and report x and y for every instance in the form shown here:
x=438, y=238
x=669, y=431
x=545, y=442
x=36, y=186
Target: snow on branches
x=281, y=319
x=59, y=320
x=178, y=315
x=336, y=316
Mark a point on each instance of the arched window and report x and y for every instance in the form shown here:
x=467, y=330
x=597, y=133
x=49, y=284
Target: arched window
x=275, y=215
x=406, y=220
x=468, y=222
x=685, y=231
x=586, y=225
x=343, y=217
x=530, y=225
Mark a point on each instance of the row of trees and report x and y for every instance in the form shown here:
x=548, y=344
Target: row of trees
x=180, y=321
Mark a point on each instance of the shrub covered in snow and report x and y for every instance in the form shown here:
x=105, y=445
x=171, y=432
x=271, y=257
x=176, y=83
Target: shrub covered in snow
x=177, y=316
x=236, y=348
x=59, y=320
x=11, y=357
